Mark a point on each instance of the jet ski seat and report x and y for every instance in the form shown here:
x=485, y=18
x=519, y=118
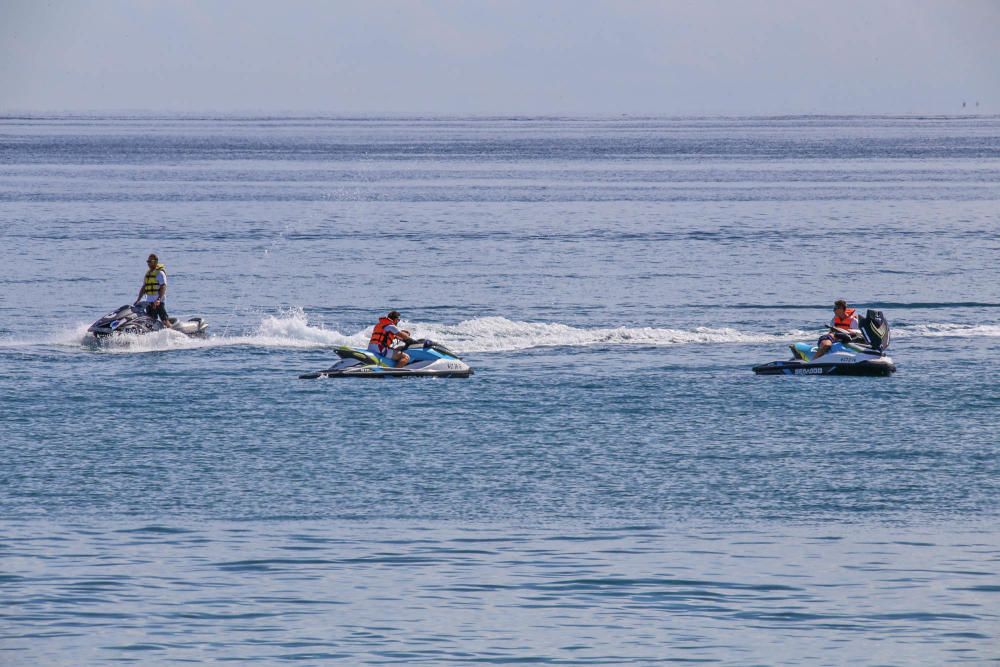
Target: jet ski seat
x=363, y=357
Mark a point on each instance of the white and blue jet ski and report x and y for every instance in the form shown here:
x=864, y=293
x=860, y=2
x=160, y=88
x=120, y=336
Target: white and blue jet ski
x=427, y=359
x=847, y=356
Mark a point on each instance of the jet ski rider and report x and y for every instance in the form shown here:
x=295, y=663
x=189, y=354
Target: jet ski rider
x=384, y=334
x=154, y=290
x=844, y=318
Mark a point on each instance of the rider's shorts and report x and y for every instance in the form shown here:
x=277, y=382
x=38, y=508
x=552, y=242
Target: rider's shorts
x=833, y=337
x=387, y=352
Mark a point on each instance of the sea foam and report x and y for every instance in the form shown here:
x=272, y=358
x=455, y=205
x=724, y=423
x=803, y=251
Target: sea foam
x=292, y=329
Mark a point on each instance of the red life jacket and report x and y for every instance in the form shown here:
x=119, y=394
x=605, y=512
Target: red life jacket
x=380, y=336
x=845, y=321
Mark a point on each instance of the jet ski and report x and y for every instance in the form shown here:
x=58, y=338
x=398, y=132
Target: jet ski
x=427, y=359
x=848, y=355
x=134, y=320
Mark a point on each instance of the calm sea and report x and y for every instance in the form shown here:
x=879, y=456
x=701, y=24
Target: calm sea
x=613, y=486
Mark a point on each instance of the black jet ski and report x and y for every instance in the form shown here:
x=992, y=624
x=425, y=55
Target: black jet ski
x=847, y=356
x=427, y=359
x=134, y=320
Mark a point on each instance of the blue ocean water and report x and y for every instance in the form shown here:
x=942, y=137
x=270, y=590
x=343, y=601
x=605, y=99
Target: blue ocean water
x=614, y=485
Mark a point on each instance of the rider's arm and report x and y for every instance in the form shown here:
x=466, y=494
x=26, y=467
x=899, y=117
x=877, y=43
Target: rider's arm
x=163, y=287
x=403, y=334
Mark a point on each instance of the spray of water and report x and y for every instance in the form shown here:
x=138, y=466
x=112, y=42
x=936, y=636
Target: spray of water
x=291, y=329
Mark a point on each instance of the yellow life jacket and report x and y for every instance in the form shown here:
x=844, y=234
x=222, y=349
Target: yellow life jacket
x=151, y=286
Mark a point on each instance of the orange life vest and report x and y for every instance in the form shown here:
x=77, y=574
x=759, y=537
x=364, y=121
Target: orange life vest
x=845, y=321
x=380, y=336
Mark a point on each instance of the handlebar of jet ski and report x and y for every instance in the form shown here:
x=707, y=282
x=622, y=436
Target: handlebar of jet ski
x=427, y=343
x=423, y=342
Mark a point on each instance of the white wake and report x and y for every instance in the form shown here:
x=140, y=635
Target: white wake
x=292, y=329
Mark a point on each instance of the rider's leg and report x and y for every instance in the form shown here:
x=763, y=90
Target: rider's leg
x=825, y=343
x=161, y=313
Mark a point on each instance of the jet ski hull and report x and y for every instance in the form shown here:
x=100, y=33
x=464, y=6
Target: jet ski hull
x=873, y=368
x=369, y=372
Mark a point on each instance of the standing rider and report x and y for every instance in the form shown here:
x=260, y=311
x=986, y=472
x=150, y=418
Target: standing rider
x=846, y=320
x=383, y=336
x=154, y=290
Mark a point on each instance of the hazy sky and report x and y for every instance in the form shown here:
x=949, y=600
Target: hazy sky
x=514, y=56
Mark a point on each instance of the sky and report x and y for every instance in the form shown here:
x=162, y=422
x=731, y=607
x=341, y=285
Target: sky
x=670, y=57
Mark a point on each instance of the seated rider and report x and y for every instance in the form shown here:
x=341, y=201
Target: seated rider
x=385, y=334
x=154, y=290
x=846, y=321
